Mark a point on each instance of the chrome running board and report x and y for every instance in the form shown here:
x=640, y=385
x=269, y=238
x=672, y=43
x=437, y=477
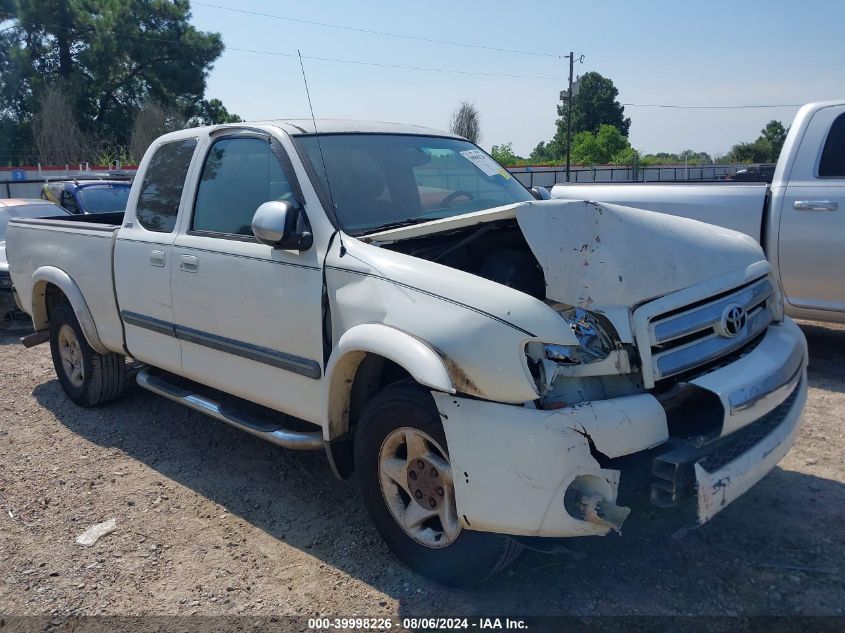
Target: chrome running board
x=270, y=431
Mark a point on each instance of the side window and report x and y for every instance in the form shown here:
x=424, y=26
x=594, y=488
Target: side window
x=832, y=164
x=238, y=176
x=68, y=202
x=161, y=189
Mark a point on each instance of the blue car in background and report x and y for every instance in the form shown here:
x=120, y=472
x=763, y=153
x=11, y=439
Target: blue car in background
x=82, y=197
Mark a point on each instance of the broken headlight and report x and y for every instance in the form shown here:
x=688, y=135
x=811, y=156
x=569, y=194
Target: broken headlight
x=594, y=343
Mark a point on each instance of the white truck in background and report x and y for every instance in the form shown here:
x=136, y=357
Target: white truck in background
x=494, y=369
x=799, y=219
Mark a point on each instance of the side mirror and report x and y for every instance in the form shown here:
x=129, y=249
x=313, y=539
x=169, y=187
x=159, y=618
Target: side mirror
x=282, y=224
x=541, y=193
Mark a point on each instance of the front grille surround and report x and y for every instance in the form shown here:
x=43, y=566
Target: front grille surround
x=680, y=339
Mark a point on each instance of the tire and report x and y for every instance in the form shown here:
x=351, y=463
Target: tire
x=459, y=557
x=88, y=378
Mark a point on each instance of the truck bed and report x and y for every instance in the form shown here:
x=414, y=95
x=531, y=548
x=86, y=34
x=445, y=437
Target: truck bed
x=81, y=246
x=735, y=206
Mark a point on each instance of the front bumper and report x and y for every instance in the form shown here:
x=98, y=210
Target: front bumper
x=513, y=466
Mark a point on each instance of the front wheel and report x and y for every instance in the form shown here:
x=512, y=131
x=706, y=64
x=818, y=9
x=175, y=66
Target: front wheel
x=405, y=476
x=87, y=377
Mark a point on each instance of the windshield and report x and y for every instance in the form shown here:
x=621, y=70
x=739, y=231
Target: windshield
x=380, y=179
x=103, y=198
x=40, y=210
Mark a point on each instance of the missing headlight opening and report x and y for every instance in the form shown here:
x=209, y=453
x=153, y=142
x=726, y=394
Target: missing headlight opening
x=594, y=343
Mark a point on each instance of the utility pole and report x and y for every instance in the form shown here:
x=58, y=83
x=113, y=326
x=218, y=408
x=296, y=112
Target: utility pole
x=569, y=98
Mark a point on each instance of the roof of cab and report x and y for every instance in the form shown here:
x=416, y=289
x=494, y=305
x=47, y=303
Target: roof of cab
x=298, y=127
x=84, y=183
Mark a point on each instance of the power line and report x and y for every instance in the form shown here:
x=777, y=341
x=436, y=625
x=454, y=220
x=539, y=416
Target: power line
x=711, y=107
x=313, y=58
x=404, y=67
x=398, y=66
x=355, y=29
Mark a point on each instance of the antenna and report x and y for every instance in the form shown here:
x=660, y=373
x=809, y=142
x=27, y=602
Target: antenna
x=322, y=158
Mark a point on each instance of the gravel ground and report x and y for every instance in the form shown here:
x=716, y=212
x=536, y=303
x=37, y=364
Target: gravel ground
x=213, y=521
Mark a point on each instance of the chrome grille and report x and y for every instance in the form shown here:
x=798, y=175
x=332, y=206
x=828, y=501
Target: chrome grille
x=689, y=337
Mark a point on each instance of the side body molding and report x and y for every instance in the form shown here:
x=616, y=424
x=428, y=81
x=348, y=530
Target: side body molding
x=419, y=359
x=51, y=275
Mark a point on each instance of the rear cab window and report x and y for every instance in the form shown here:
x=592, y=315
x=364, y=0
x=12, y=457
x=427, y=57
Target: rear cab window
x=161, y=188
x=832, y=162
x=103, y=198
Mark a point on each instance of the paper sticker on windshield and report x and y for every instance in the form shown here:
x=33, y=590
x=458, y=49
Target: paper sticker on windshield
x=484, y=163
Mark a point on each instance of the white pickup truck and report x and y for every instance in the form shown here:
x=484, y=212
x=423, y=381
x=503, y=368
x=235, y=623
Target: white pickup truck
x=493, y=368
x=799, y=220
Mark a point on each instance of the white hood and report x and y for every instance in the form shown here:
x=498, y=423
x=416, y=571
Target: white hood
x=606, y=255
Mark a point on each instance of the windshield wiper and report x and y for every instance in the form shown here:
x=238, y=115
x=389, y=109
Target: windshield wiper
x=397, y=225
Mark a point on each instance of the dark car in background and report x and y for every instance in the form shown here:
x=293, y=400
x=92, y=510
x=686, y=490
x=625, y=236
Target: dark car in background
x=755, y=173
x=18, y=208
x=83, y=197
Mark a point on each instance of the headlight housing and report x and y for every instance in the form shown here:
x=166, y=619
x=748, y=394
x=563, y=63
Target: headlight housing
x=594, y=342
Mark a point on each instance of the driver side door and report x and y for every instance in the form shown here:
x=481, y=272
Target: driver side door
x=248, y=315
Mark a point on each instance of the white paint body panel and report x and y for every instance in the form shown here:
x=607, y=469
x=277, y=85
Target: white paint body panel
x=606, y=255
x=716, y=490
x=84, y=255
x=512, y=465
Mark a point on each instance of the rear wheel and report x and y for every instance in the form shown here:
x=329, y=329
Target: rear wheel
x=87, y=377
x=403, y=469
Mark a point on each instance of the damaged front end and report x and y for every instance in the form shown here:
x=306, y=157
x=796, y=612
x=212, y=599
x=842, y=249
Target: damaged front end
x=639, y=385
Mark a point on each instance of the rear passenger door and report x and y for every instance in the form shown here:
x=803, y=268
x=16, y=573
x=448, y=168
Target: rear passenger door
x=143, y=257
x=811, y=255
x=248, y=315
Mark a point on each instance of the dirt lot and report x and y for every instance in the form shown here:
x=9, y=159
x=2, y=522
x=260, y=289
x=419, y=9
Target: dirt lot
x=213, y=521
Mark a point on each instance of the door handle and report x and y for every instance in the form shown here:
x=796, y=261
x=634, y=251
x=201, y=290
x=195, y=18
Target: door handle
x=815, y=205
x=189, y=263
x=157, y=258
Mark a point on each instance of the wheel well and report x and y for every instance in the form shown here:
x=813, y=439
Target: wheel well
x=45, y=297
x=53, y=296
x=372, y=374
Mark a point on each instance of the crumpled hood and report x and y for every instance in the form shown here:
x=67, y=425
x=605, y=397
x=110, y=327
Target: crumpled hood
x=604, y=255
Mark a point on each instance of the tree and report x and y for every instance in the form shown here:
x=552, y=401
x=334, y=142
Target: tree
x=600, y=148
x=541, y=154
x=627, y=156
x=775, y=134
x=56, y=134
x=212, y=113
x=111, y=57
x=504, y=155
x=766, y=149
x=594, y=105
x=152, y=121
x=466, y=122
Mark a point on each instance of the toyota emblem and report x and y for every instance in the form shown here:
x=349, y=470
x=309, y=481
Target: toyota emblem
x=733, y=320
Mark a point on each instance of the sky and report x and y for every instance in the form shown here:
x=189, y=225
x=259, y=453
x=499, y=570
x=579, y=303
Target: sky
x=712, y=53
